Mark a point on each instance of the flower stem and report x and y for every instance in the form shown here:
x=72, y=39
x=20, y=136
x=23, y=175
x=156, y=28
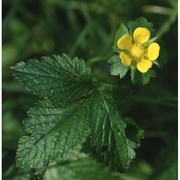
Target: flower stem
x=166, y=26
x=97, y=59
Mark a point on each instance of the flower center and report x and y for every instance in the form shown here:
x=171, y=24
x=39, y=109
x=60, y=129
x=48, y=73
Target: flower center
x=137, y=51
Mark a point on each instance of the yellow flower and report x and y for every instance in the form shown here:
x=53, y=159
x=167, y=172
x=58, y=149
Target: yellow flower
x=135, y=48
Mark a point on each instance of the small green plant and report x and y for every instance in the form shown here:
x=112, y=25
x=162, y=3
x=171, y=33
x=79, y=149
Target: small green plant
x=75, y=107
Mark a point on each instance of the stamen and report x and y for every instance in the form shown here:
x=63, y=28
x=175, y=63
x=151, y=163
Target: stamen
x=137, y=51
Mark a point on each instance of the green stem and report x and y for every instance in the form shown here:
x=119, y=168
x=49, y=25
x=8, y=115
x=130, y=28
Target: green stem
x=79, y=39
x=166, y=26
x=97, y=59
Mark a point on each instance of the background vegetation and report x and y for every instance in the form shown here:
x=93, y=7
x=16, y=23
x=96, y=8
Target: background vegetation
x=86, y=29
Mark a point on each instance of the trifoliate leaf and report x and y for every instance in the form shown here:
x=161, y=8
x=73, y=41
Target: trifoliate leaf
x=58, y=78
x=56, y=126
x=120, y=32
x=108, y=133
x=54, y=130
x=117, y=68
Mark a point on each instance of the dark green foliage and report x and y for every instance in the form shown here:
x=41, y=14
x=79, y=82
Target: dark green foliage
x=86, y=28
x=137, y=77
x=58, y=78
x=167, y=165
x=163, y=59
x=55, y=128
x=108, y=133
x=140, y=22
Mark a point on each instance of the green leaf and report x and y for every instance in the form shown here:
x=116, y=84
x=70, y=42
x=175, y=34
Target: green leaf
x=163, y=58
x=79, y=166
x=120, y=32
x=58, y=78
x=55, y=126
x=117, y=68
x=146, y=76
x=54, y=130
x=108, y=133
x=142, y=78
x=140, y=22
x=135, y=76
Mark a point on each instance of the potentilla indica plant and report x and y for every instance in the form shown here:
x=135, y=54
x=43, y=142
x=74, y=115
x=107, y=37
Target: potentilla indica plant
x=74, y=108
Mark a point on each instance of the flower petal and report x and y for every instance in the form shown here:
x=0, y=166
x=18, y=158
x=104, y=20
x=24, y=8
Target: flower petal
x=125, y=42
x=141, y=35
x=153, y=51
x=144, y=65
x=125, y=58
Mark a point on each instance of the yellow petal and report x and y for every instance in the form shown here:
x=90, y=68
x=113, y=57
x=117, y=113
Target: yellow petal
x=125, y=42
x=153, y=51
x=141, y=35
x=125, y=58
x=144, y=65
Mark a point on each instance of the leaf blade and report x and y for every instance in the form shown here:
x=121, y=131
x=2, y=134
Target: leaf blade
x=110, y=140
x=59, y=134
x=57, y=78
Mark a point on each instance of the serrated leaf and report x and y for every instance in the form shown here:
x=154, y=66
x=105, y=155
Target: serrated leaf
x=117, y=68
x=54, y=130
x=120, y=32
x=108, y=133
x=58, y=78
